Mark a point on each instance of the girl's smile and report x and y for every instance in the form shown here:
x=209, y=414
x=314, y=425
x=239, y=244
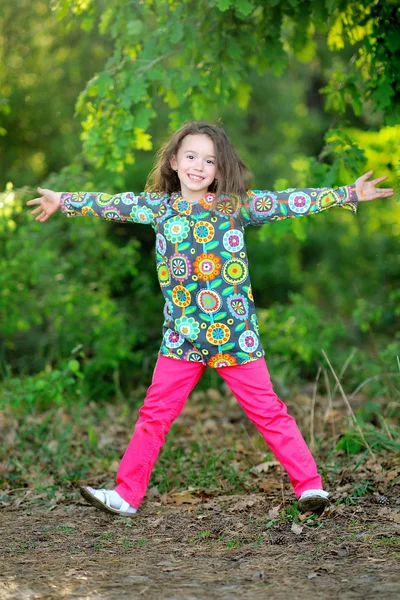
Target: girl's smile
x=195, y=164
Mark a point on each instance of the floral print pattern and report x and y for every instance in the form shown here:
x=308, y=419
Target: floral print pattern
x=201, y=259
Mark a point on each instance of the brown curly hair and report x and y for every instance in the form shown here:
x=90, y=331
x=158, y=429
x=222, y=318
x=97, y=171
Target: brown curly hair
x=233, y=176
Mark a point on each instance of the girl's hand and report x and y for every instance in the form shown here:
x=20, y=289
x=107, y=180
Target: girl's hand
x=366, y=190
x=49, y=203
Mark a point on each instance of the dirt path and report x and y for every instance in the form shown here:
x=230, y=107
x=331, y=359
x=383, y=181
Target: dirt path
x=224, y=547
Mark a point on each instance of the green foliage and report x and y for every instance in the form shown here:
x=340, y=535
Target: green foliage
x=42, y=70
x=201, y=55
x=294, y=334
x=351, y=442
x=45, y=389
x=87, y=285
x=61, y=290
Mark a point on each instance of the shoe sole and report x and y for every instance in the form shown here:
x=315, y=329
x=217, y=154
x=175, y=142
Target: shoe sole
x=313, y=504
x=100, y=505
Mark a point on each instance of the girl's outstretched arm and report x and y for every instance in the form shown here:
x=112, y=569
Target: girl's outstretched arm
x=263, y=206
x=126, y=207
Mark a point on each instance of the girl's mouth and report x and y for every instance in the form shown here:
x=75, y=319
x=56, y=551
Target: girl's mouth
x=195, y=177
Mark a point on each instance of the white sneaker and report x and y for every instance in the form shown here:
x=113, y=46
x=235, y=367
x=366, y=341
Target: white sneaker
x=313, y=501
x=108, y=500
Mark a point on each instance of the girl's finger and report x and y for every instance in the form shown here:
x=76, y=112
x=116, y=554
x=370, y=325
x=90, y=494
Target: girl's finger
x=365, y=176
x=36, y=211
x=378, y=180
x=34, y=201
x=382, y=193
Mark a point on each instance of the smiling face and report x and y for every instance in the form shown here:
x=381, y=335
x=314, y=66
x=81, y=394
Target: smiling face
x=195, y=164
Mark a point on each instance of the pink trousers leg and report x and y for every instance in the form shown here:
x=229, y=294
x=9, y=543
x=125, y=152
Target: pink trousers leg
x=252, y=387
x=172, y=382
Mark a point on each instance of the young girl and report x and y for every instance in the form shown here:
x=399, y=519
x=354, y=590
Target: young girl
x=198, y=203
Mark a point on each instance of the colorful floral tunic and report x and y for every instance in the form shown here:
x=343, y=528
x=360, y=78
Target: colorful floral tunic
x=202, y=262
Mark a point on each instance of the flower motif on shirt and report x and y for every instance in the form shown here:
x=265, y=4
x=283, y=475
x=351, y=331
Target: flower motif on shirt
x=250, y=294
x=207, y=266
x=142, y=214
x=154, y=198
x=254, y=322
x=164, y=211
x=209, y=301
x=161, y=244
x=180, y=267
x=173, y=339
x=264, y=205
x=222, y=360
x=86, y=210
x=163, y=274
x=111, y=214
x=193, y=355
x=225, y=207
x=218, y=333
x=78, y=197
x=168, y=310
x=233, y=240
x=299, y=202
x=248, y=341
x=182, y=206
x=207, y=201
x=128, y=198
x=106, y=199
x=181, y=296
x=203, y=232
x=326, y=198
x=176, y=229
x=238, y=306
x=234, y=271
x=188, y=328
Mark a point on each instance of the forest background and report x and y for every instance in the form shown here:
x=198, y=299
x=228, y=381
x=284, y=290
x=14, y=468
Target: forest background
x=309, y=93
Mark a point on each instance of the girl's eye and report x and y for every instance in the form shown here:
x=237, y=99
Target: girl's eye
x=209, y=160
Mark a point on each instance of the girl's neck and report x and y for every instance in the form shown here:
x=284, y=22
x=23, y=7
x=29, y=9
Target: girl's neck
x=192, y=195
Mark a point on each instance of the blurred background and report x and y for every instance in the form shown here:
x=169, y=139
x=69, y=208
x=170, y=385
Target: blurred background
x=90, y=90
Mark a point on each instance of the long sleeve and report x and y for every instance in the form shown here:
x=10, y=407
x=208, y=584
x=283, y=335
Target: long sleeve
x=126, y=207
x=263, y=206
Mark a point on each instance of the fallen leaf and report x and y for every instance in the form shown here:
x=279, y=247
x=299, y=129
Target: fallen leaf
x=303, y=516
x=268, y=486
x=296, y=528
x=263, y=467
x=328, y=567
x=273, y=513
x=396, y=517
x=242, y=504
x=153, y=492
x=184, y=497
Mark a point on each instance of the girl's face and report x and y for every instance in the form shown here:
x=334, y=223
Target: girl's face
x=195, y=164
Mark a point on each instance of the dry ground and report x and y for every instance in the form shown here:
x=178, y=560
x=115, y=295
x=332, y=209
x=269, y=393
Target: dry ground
x=228, y=541
x=216, y=547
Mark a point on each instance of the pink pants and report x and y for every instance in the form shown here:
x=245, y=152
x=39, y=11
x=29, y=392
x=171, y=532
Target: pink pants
x=172, y=382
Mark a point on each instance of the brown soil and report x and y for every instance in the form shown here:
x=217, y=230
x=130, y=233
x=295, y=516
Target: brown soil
x=207, y=547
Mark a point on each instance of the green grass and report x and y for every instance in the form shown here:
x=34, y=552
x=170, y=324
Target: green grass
x=50, y=451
